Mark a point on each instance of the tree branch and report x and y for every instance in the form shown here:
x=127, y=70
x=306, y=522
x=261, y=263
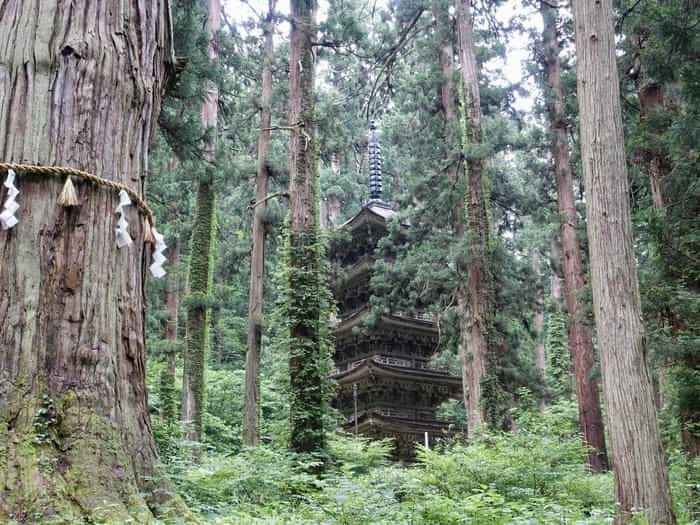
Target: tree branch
x=284, y=194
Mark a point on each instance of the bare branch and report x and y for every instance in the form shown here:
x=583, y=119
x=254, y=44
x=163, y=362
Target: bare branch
x=284, y=194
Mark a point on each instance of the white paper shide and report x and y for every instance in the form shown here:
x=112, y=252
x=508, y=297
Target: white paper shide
x=158, y=257
x=123, y=237
x=7, y=216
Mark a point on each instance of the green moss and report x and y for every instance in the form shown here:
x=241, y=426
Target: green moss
x=61, y=462
x=199, y=302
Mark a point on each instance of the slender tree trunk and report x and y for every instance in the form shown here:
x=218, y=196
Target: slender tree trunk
x=579, y=334
x=201, y=258
x=305, y=370
x=251, y=401
x=172, y=305
x=475, y=305
x=75, y=432
x=540, y=357
x=641, y=480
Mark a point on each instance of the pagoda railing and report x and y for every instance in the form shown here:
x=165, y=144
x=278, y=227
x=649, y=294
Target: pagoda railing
x=421, y=364
x=405, y=413
x=421, y=315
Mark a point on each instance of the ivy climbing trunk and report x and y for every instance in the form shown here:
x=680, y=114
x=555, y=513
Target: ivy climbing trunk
x=641, y=480
x=251, y=400
x=172, y=306
x=198, y=324
x=307, y=375
x=475, y=305
x=75, y=432
x=580, y=337
x=201, y=256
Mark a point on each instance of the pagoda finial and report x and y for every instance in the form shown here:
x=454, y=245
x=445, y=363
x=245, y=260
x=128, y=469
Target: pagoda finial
x=374, y=157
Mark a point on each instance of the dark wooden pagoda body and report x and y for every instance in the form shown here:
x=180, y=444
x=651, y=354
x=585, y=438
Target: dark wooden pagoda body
x=386, y=386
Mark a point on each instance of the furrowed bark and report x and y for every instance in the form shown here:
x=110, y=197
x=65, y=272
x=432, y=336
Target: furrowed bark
x=79, y=87
x=579, y=334
x=475, y=305
x=251, y=401
x=201, y=258
x=641, y=480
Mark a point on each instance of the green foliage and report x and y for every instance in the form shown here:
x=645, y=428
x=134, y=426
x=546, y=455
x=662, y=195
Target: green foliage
x=535, y=475
x=558, y=370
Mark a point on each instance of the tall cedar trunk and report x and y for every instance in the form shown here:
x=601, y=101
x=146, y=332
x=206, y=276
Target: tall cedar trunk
x=306, y=376
x=172, y=305
x=74, y=425
x=641, y=481
x=251, y=401
x=579, y=334
x=449, y=111
x=540, y=357
x=475, y=308
x=201, y=257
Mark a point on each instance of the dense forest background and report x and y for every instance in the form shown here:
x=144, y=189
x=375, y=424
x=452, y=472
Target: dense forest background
x=237, y=439
x=380, y=62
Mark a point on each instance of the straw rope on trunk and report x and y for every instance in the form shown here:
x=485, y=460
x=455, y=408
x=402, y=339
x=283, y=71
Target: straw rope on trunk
x=59, y=171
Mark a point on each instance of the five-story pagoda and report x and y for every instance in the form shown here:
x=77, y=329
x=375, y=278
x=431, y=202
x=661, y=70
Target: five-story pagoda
x=386, y=386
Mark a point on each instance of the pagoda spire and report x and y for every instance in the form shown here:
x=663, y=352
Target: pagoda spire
x=374, y=157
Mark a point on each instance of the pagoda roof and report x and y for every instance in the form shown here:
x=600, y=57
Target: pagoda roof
x=376, y=368
x=375, y=211
x=423, y=324
x=398, y=425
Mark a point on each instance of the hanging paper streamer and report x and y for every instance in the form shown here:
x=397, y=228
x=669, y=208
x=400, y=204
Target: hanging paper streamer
x=7, y=217
x=158, y=257
x=123, y=237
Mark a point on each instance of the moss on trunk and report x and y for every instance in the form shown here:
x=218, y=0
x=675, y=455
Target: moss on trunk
x=199, y=309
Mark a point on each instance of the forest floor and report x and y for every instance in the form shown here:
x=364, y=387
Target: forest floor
x=534, y=475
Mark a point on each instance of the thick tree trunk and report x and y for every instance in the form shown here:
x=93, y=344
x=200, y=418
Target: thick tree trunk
x=641, y=480
x=304, y=308
x=201, y=258
x=580, y=335
x=75, y=434
x=475, y=305
x=251, y=401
